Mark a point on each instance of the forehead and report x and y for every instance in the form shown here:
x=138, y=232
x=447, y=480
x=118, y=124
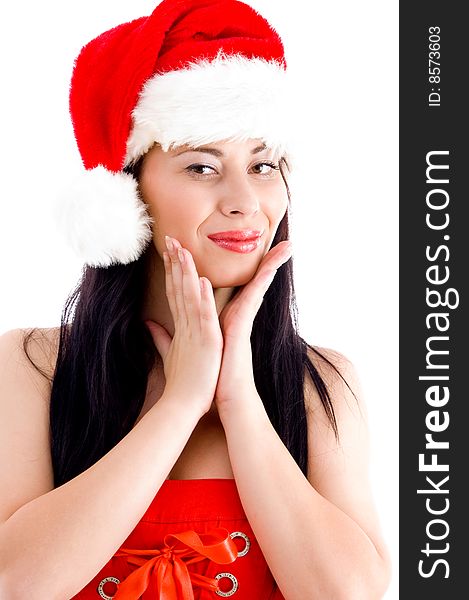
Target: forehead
x=224, y=149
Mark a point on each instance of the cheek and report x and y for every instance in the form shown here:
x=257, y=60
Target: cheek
x=276, y=207
x=275, y=210
x=175, y=205
x=178, y=216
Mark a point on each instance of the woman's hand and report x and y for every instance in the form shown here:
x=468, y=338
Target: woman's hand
x=236, y=319
x=192, y=357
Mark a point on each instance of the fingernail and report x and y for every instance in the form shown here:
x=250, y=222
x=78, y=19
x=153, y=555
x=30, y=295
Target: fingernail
x=169, y=243
x=180, y=254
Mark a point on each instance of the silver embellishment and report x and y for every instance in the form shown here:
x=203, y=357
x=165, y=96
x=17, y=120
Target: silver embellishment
x=101, y=587
x=232, y=579
x=245, y=550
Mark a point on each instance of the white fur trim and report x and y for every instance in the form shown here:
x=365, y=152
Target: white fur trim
x=230, y=98
x=103, y=218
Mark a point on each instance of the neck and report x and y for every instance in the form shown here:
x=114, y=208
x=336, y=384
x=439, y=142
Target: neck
x=156, y=307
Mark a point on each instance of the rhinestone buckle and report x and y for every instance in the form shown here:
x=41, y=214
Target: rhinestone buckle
x=102, y=584
x=233, y=580
x=245, y=550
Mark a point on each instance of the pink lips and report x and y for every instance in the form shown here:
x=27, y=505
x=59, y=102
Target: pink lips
x=237, y=240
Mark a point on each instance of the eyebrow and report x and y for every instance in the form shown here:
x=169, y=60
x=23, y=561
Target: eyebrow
x=216, y=152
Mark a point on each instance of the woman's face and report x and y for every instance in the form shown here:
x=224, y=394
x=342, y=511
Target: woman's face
x=222, y=187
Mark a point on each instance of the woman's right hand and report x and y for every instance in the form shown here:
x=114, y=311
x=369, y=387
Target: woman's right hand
x=192, y=357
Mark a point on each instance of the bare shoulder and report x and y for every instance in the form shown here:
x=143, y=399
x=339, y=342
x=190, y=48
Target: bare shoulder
x=343, y=385
x=27, y=362
x=339, y=469
x=31, y=353
x=41, y=345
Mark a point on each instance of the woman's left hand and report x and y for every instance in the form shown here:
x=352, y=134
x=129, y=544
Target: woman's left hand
x=236, y=319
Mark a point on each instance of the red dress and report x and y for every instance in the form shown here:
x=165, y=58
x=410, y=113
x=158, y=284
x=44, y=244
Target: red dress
x=193, y=531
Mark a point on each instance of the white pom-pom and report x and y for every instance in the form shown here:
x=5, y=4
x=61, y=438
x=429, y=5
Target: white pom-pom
x=103, y=218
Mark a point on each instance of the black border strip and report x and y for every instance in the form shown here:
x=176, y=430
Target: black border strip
x=434, y=257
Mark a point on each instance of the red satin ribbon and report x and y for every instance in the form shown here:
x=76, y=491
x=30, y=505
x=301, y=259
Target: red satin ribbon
x=168, y=566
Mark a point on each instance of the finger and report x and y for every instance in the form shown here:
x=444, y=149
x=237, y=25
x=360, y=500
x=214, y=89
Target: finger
x=169, y=286
x=190, y=285
x=176, y=274
x=253, y=292
x=208, y=308
x=256, y=290
x=266, y=279
x=276, y=257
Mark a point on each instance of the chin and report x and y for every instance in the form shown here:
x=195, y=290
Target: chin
x=226, y=281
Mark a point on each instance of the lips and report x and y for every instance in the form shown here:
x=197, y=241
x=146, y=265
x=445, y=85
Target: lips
x=237, y=235
x=242, y=241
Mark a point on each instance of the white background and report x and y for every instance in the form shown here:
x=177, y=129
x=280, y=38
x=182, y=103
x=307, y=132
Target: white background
x=345, y=204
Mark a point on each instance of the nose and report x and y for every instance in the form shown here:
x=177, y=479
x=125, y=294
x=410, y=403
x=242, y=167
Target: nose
x=239, y=197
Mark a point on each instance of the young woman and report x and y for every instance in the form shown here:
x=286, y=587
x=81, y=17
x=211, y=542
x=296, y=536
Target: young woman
x=176, y=438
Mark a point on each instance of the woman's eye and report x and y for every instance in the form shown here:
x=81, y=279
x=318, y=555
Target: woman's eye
x=266, y=168
x=199, y=169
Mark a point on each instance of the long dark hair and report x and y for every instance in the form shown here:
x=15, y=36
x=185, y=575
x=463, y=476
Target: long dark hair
x=106, y=353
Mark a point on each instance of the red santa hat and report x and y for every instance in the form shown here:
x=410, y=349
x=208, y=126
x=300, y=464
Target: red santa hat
x=193, y=72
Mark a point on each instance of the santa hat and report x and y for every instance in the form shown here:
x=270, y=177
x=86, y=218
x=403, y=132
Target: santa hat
x=193, y=72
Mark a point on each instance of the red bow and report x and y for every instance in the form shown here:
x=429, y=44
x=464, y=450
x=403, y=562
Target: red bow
x=169, y=565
